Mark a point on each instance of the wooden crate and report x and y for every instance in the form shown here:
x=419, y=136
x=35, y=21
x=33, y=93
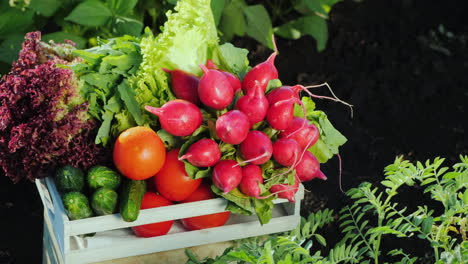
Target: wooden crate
x=66, y=242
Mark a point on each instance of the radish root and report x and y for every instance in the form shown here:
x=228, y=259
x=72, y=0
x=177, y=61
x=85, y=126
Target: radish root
x=334, y=98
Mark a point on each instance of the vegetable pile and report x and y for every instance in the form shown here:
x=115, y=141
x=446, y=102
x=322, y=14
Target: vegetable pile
x=185, y=117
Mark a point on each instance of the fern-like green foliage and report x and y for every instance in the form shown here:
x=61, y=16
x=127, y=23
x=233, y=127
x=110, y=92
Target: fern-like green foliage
x=288, y=248
x=372, y=215
x=446, y=233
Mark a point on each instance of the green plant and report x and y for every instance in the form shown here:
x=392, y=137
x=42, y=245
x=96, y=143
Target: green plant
x=81, y=21
x=373, y=217
x=289, y=19
x=443, y=232
x=289, y=248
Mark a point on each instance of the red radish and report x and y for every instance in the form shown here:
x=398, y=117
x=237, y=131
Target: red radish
x=178, y=117
x=203, y=153
x=286, y=151
x=233, y=80
x=184, y=85
x=214, y=89
x=232, y=127
x=282, y=93
x=309, y=168
x=254, y=105
x=281, y=114
x=286, y=191
x=256, y=148
x=302, y=131
x=261, y=74
x=227, y=175
x=251, y=177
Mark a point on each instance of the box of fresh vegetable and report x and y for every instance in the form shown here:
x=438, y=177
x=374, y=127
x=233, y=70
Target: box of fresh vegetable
x=164, y=141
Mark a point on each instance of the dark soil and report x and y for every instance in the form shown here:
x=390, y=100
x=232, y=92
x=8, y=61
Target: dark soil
x=393, y=60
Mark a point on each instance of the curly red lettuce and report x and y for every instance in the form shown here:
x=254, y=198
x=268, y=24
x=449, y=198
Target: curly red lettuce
x=43, y=118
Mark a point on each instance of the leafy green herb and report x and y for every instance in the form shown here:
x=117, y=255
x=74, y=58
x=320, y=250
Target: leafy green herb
x=105, y=71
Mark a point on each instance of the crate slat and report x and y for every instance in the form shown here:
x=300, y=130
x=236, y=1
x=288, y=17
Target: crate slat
x=61, y=230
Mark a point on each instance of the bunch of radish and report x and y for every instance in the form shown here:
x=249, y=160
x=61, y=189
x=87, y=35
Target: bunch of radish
x=270, y=144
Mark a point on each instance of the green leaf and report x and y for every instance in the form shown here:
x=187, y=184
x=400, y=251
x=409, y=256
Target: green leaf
x=14, y=21
x=114, y=104
x=290, y=30
x=92, y=58
x=123, y=121
x=60, y=36
x=233, y=59
x=10, y=47
x=306, y=6
x=236, y=209
x=264, y=209
x=128, y=26
x=188, y=39
x=259, y=25
x=103, y=132
x=45, y=7
x=122, y=7
x=195, y=172
x=273, y=84
x=217, y=7
x=330, y=138
x=233, y=20
x=120, y=64
x=312, y=25
x=309, y=106
x=321, y=240
x=170, y=141
x=243, y=256
x=316, y=27
x=321, y=151
x=236, y=197
x=127, y=94
x=428, y=180
x=426, y=225
x=388, y=184
x=90, y=13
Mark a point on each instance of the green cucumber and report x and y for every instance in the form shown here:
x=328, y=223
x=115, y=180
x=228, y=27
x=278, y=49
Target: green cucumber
x=69, y=179
x=104, y=201
x=101, y=176
x=76, y=205
x=130, y=199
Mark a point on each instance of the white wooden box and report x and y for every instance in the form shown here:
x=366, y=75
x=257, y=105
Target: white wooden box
x=113, y=238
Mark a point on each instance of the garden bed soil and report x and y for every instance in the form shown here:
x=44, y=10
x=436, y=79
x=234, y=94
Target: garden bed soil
x=393, y=60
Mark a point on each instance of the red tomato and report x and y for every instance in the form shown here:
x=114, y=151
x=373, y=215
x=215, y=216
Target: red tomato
x=139, y=153
x=152, y=200
x=172, y=181
x=205, y=221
